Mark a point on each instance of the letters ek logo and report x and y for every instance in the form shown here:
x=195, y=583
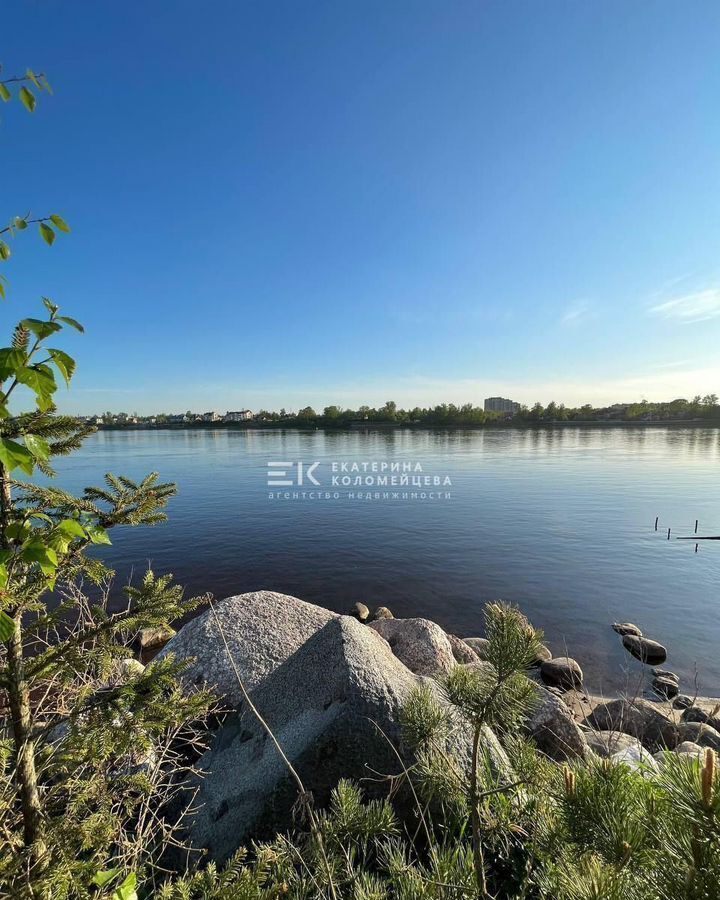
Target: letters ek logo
x=279, y=475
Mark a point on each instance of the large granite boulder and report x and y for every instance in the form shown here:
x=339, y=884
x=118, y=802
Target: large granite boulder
x=554, y=730
x=334, y=708
x=419, y=643
x=262, y=630
x=638, y=718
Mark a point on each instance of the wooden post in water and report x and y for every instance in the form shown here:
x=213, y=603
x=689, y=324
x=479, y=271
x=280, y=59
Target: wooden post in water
x=668, y=534
x=696, y=525
x=657, y=518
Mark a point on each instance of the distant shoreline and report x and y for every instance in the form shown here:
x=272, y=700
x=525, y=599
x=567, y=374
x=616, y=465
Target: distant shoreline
x=408, y=426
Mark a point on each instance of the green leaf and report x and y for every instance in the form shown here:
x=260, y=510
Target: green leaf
x=65, y=364
x=72, y=528
x=3, y=581
x=73, y=323
x=33, y=77
x=20, y=223
x=14, y=456
x=7, y=626
x=38, y=446
x=126, y=891
x=4, y=251
x=101, y=879
x=51, y=307
x=11, y=359
x=60, y=223
x=4, y=93
x=40, y=381
x=28, y=98
x=98, y=535
x=40, y=328
x=44, y=556
x=47, y=233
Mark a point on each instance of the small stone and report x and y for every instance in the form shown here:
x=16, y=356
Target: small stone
x=699, y=733
x=623, y=628
x=689, y=748
x=636, y=758
x=360, y=612
x=543, y=655
x=644, y=649
x=130, y=668
x=561, y=671
x=696, y=714
x=382, y=612
x=682, y=701
x=463, y=653
x=665, y=687
x=607, y=743
x=155, y=638
x=666, y=673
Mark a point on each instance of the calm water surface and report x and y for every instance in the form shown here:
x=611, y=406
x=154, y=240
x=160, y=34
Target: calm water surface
x=559, y=521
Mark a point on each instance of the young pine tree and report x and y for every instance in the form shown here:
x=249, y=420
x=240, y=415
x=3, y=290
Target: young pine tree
x=88, y=745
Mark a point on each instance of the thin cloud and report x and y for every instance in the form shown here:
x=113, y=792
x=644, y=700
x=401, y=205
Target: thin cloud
x=697, y=307
x=575, y=312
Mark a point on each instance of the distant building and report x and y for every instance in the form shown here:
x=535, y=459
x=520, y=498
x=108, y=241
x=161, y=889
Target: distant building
x=501, y=405
x=242, y=415
x=211, y=417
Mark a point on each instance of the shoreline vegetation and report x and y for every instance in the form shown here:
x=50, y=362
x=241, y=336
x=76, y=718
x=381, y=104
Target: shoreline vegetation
x=390, y=426
x=701, y=411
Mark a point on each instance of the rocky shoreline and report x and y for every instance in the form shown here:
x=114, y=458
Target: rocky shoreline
x=332, y=688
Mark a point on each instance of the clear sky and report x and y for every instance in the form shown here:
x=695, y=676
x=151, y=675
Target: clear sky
x=289, y=203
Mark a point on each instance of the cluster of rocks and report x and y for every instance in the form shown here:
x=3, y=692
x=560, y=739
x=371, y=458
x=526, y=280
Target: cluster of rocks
x=665, y=684
x=332, y=689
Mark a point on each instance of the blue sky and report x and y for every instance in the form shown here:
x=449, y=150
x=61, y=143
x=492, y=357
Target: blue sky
x=276, y=204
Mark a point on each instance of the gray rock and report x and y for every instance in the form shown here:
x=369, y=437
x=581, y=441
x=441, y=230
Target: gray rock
x=699, y=733
x=636, y=758
x=697, y=714
x=645, y=650
x=334, y=708
x=666, y=673
x=689, y=748
x=419, y=643
x=382, y=612
x=543, y=655
x=682, y=701
x=636, y=717
x=561, y=671
x=665, y=687
x=262, y=630
x=360, y=612
x=623, y=628
x=463, y=653
x=606, y=743
x=554, y=730
x=128, y=668
x=155, y=638
x=479, y=645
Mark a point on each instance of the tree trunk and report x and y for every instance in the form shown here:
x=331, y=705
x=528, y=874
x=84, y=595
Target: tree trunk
x=25, y=771
x=21, y=715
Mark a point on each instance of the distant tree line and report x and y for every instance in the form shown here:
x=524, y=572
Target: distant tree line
x=447, y=414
